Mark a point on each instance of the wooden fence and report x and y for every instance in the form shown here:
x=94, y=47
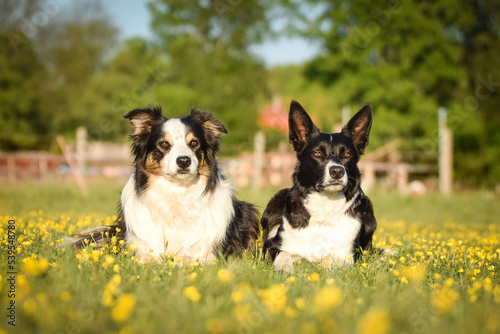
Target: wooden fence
x=249, y=169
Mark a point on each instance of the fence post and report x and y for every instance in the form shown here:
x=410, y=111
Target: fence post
x=402, y=178
x=81, y=147
x=445, y=153
x=77, y=172
x=259, y=144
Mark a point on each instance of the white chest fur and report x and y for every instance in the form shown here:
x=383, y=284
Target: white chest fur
x=181, y=220
x=331, y=232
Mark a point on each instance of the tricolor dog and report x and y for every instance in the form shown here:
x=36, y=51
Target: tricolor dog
x=176, y=200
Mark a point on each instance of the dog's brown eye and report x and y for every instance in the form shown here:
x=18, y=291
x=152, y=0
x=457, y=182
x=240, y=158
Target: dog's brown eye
x=347, y=154
x=317, y=154
x=164, y=144
x=194, y=143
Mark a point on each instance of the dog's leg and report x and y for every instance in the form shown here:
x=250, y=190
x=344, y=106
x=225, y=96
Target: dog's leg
x=284, y=262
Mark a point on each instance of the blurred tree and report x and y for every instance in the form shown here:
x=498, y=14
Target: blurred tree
x=393, y=55
x=208, y=46
x=74, y=47
x=476, y=118
x=408, y=58
x=126, y=82
x=48, y=55
x=20, y=80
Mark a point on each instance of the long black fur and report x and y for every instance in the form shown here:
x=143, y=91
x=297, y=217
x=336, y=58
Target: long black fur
x=243, y=229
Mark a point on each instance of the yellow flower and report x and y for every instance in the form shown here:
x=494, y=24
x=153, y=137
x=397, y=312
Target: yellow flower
x=300, y=303
x=108, y=261
x=291, y=312
x=415, y=274
x=241, y=312
x=35, y=267
x=274, y=298
x=109, y=290
x=328, y=298
x=375, y=322
x=444, y=299
x=95, y=255
x=224, y=275
x=192, y=293
x=192, y=277
x=132, y=247
x=214, y=326
x=314, y=277
x=123, y=308
x=240, y=292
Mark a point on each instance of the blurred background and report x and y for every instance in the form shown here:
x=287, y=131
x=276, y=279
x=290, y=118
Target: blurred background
x=69, y=70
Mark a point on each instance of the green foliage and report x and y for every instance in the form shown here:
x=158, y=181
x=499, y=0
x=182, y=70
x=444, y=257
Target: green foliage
x=207, y=44
x=408, y=59
x=120, y=86
x=46, y=69
x=20, y=80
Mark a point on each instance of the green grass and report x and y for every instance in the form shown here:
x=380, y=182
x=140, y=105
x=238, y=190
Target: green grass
x=444, y=278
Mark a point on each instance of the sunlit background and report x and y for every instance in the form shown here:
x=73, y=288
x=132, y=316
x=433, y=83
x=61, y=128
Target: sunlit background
x=69, y=65
x=69, y=71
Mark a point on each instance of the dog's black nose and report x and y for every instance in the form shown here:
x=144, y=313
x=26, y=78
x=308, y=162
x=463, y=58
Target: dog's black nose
x=337, y=172
x=184, y=161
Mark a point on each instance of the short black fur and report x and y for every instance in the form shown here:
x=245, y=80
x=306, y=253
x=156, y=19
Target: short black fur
x=308, y=142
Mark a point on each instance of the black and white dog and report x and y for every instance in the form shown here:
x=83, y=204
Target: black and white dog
x=176, y=200
x=325, y=216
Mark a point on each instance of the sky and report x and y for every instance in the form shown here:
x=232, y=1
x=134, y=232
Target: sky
x=133, y=18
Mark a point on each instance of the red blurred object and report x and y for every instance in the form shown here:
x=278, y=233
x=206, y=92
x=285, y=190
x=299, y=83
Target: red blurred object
x=274, y=116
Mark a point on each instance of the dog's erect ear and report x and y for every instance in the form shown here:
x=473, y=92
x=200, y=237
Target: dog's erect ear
x=300, y=126
x=208, y=122
x=144, y=119
x=358, y=127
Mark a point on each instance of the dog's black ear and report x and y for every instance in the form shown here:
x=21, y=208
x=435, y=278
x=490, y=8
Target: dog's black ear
x=358, y=128
x=300, y=126
x=208, y=122
x=144, y=119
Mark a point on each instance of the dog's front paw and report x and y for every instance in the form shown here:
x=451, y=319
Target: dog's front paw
x=284, y=262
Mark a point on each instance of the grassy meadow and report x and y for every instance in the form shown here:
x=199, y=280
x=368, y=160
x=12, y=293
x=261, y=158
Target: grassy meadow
x=444, y=278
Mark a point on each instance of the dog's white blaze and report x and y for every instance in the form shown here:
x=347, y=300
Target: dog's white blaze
x=327, y=178
x=330, y=234
x=178, y=132
x=177, y=219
